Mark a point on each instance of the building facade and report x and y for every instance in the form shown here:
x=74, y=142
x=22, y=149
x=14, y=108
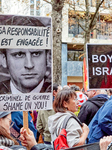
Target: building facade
x=73, y=40
x=72, y=34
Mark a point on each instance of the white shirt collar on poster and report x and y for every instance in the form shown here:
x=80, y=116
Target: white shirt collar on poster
x=36, y=90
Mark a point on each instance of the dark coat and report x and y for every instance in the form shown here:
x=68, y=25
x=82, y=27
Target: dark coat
x=101, y=124
x=36, y=147
x=90, y=107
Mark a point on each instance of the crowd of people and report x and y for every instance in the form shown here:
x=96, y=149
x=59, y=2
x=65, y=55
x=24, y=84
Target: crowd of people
x=92, y=108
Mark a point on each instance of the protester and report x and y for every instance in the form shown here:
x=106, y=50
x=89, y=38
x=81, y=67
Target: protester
x=96, y=98
x=65, y=104
x=66, y=87
x=75, y=87
x=82, y=98
x=28, y=140
x=5, y=125
x=6, y=141
x=56, y=89
x=35, y=115
x=42, y=125
x=101, y=124
x=110, y=94
x=42, y=120
x=17, y=117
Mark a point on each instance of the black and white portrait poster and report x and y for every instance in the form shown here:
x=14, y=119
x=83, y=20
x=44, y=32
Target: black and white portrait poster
x=25, y=63
x=99, y=66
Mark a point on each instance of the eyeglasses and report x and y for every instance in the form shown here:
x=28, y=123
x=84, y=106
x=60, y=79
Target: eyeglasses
x=11, y=122
x=76, y=99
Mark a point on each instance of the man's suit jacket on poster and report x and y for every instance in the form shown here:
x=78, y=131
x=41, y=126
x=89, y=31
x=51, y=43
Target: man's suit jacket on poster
x=5, y=87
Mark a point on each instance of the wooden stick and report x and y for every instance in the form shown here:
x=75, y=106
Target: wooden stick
x=25, y=122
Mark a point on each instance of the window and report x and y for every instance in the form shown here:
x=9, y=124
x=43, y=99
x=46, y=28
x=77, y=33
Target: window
x=31, y=7
x=34, y=7
x=74, y=27
x=76, y=2
x=37, y=7
x=105, y=30
x=106, y=4
x=92, y=3
x=75, y=55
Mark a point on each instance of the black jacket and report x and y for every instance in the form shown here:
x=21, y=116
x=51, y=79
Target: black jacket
x=90, y=107
x=36, y=147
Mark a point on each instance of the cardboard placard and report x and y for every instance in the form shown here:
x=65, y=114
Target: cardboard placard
x=25, y=64
x=99, y=66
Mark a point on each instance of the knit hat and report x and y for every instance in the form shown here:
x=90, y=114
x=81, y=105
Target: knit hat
x=3, y=114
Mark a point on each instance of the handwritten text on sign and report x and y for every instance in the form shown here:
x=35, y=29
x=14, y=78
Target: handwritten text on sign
x=25, y=102
x=24, y=37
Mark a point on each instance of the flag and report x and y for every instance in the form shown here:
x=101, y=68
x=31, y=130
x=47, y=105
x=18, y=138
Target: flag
x=85, y=83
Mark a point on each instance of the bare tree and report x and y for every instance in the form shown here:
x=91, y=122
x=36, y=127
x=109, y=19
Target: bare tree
x=89, y=26
x=90, y=19
x=57, y=7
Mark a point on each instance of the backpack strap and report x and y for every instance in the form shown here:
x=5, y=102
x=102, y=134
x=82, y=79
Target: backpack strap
x=67, y=119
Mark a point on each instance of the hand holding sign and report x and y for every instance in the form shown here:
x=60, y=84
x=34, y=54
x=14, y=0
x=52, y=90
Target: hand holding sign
x=27, y=138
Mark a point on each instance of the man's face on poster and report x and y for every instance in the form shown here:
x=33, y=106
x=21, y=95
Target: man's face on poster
x=27, y=67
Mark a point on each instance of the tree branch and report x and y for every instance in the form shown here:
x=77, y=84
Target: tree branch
x=87, y=4
x=47, y=1
x=82, y=27
x=77, y=20
x=97, y=9
x=73, y=5
x=95, y=29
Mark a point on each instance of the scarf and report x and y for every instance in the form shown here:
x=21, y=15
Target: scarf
x=6, y=142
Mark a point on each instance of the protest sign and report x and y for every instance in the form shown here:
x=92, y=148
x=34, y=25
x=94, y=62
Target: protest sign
x=25, y=63
x=26, y=102
x=24, y=36
x=99, y=66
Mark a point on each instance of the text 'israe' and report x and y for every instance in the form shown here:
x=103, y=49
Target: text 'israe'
x=102, y=70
